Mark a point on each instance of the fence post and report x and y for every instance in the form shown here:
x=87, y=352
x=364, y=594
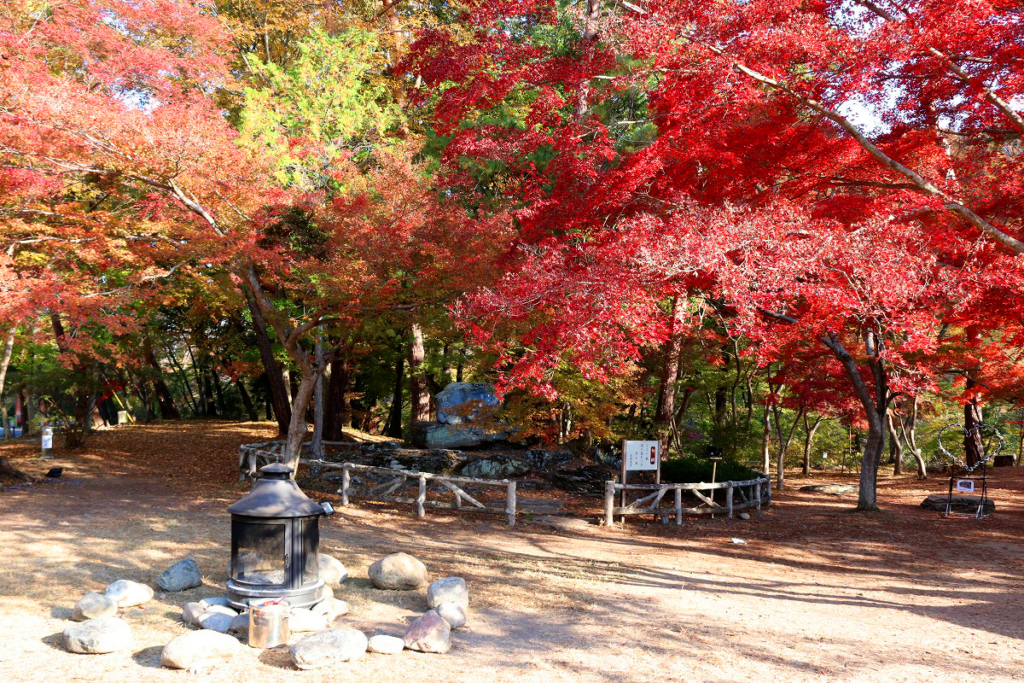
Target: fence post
x=420, y=499
x=679, y=507
x=728, y=500
x=346, y=477
x=510, y=503
x=609, y=503
x=757, y=493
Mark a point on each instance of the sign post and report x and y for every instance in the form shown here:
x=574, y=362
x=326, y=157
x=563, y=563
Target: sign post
x=640, y=456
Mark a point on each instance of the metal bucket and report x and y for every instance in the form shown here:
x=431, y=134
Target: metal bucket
x=268, y=623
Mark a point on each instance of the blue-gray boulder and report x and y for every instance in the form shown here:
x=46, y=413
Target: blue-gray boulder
x=461, y=402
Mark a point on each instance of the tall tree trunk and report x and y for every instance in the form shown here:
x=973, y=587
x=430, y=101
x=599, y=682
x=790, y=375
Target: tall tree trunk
x=895, y=448
x=74, y=436
x=222, y=405
x=874, y=400
x=190, y=397
x=909, y=432
x=394, y=425
x=974, y=448
x=250, y=409
x=780, y=467
x=337, y=411
x=5, y=362
x=462, y=362
x=766, y=435
x=809, y=431
x=297, y=428
x=209, y=401
x=164, y=398
x=666, y=409
x=318, y=402
x=418, y=393
x=275, y=379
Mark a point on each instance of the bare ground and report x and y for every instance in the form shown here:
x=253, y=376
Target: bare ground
x=815, y=593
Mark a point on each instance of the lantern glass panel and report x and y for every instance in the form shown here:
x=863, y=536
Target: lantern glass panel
x=260, y=556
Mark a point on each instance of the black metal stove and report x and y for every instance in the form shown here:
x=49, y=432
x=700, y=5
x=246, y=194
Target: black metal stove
x=275, y=535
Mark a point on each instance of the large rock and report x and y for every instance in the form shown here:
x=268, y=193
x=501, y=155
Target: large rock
x=462, y=402
x=385, y=645
x=454, y=614
x=609, y=457
x=429, y=633
x=199, y=650
x=129, y=593
x=180, y=576
x=94, y=606
x=97, y=636
x=215, y=621
x=496, y=467
x=465, y=436
x=834, y=489
x=448, y=589
x=588, y=480
x=332, y=570
x=964, y=504
x=191, y=612
x=436, y=461
x=543, y=460
x=306, y=621
x=398, y=571
x=328, y=648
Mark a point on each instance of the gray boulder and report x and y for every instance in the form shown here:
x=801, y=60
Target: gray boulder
x=398, y=571
x=436, y=461
x=180, y=576
x=455, y=437
x=332, y=570
x=454, y=614
x=448, y=589
x=496, y=467
x=461, y=402
x=199, y=651
x=306, y=621
x=962, y=504
x=429, y=633
x=588, y=480
x=97, y=636
x=328, y=648
x=215, y=621
x=94, y=606
x=385, y=645
x=608, y=457
x=542, y=459
x=129, y=593
x=834, y=489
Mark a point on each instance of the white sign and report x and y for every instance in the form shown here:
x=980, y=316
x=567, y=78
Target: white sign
x=641, y=455
x=47, y=439
x=965, y=486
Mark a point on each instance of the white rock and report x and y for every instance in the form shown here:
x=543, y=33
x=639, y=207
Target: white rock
x=129, y=593
x=199, y=650
x=215, y=600
x=240, y=625
x=744, y=516
x=332, y=571
x=332, y=608
x=215, y=621
x=94, y=606
x=429, y=633
x=328, y=648
x=191, y=612
x=306, y=621
x=452, y=613
x=398, y=571
x=97, y=636
x=385, y=645
x=449, y=589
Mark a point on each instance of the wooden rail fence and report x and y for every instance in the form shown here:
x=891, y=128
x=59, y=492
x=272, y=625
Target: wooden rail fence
x=753, y=493
x=398, y=478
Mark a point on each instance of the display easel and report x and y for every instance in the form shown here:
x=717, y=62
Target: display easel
x=992, y=443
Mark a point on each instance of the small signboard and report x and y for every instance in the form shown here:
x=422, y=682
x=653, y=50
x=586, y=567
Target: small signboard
x=641, y=455
x=965, y=486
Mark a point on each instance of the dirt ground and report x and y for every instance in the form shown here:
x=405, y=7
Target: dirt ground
x=811, y=593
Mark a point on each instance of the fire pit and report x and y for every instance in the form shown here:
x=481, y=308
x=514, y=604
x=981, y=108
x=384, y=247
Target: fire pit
x=275, y=536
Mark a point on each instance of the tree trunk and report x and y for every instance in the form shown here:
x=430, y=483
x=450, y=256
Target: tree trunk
x=974, y=448
x=895, y=448
x=462, y=362
x=766, y=435
x=250, y=409
x=190, y=397
x=5, y=362
x=666, y=409
x=418, y=393
x=394, y=425
x=275, y=379
x=222, y=405
x=780, y=472
x=164, y=398
x=297, y=428
x=337, y=411
x=318, y=402
x=809, y=431
x=74, y=436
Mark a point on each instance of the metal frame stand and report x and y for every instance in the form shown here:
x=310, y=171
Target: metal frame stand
x=980, y=512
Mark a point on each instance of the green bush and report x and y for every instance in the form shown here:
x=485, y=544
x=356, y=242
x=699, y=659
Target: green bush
x=692, y=470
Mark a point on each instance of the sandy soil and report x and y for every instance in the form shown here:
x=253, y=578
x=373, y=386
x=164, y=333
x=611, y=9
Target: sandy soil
x=814, y=593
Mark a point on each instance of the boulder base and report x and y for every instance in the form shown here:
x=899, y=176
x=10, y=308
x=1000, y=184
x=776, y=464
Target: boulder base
x=965, y=504
x=199, y=650
x=97, y=636
x=398, y=571
x=328, y=648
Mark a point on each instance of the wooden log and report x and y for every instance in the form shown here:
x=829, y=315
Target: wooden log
x=707, y=500
x=511, y=503
x=679, y=507
x=420, y=512
x=728, y=500
x=346, y=481
x=459, y=493
x=609, y=503
x=657, y=500
x=387, y=488
x=12, y=472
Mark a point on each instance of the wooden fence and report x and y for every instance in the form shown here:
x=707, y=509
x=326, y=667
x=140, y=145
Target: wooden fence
x=398, y=478
x=753, y=493
x=252, y=456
